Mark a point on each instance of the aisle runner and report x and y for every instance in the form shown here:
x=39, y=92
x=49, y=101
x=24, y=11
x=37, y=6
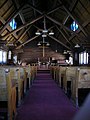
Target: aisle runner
x=46, y=101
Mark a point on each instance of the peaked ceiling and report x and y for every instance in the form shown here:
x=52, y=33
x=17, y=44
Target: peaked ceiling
x=58, y=14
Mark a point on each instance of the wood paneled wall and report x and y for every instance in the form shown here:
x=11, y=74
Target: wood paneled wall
x=32, y=55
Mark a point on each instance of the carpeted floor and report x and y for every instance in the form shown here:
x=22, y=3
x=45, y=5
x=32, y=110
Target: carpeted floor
x=46, y=101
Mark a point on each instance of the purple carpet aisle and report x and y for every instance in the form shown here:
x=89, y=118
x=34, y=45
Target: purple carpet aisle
x=46, y=101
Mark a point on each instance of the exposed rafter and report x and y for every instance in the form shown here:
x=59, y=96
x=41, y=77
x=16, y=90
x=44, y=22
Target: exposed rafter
x=64, y=27
x=20, y=14
x=11, y=17
x=51, y=11
x=72, y=16
x=22, y=26
x=33, y=2
x=8, y=28
x=80, y=26
x=26, y=42
x=37, y=28
x=33, y=7
x=84, y=25
x=59, y=15
x=73, y=5
x=60, y=42
x=84, y=7
x=23, y=34
x=58, y=23
x=63, y=35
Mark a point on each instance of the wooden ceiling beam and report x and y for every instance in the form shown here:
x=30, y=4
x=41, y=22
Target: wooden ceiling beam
x=22, y=26
x=8, y=27
x=51, y=28
x=38, y=28
x=54, y=3
x=11, y=17
x=49, y=12
x=23, y=34
x=59, y=23
x=20, y=13
x=73, y=5
x=27, y=42
x=33, y=2
x=80, y=26
x=63, y=35
x=84, y=25
x=84, y=7
x=33, y=7
x=60, y=42
x=53, y=10
x=42, y=29
x=64, y=27
x=72, y=16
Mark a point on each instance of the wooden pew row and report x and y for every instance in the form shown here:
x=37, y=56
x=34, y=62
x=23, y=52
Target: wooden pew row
x=7, y=95
x=58, y=74
x=79, y=78
x=33, y=73
x=71, y=83
x=18, y=73
x=28, y=72
x=72, y=79
x=83, y=84
x=52, y=71
x=18, y=76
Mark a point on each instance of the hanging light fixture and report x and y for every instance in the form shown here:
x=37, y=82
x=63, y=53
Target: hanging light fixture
x=47, y=44
x=39, y=44
x=44, y=32
x=38, y=32
x=77, y=46
x=51, y=33
x=44, y=35
x=43, y=43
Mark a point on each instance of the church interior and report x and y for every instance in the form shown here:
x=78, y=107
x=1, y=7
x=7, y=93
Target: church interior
x=44, y=59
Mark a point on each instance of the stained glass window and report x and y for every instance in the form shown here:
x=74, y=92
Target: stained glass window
x=13, y=24
x=74, y=26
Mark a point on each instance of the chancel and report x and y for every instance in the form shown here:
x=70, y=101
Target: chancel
x=44, y=59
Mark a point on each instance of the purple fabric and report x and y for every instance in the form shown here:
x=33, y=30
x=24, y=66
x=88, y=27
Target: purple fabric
x=46, y=101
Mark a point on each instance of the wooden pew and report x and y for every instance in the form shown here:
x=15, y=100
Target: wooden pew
x=62, y=79
x=54, y=72
x=83, y=84
x=23, y=77
x=16, y=76
x=28, y=71
x=7, y=95
x=33, y=73
x=71, y=82
x=80, y=79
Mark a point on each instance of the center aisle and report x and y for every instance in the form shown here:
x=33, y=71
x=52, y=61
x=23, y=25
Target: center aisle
x=46, y=101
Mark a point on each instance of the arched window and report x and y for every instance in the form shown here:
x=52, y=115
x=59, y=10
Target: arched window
x=3, y=56
x=83, y=58
x=9, y=55
x=1, y=52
